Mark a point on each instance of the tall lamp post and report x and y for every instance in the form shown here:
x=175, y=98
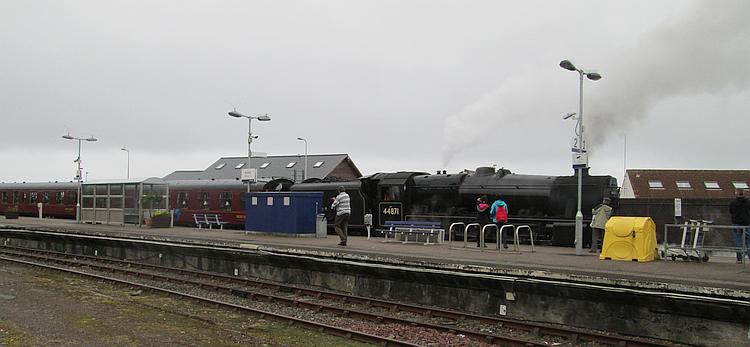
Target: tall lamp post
x=567, y=65
x=263, y=117
x=304, y=172
x=128, y=151
x=78, y=172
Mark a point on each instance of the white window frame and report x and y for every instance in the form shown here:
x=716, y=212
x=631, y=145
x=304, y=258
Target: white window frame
x=291, y=165
x=655, y=184
x=711, y=185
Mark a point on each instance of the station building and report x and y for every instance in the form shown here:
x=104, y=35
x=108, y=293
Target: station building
x=292, y=167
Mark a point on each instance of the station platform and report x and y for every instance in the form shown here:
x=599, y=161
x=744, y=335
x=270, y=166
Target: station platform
x=719, y=277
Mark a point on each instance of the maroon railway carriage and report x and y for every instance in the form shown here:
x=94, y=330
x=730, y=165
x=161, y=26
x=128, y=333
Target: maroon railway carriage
x=58, y=198
x=223, y=197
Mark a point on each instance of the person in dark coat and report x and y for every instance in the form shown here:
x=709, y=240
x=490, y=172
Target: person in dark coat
x=739, y=208
x=483, y=215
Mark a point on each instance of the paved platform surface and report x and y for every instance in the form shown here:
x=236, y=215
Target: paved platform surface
x=720, y=276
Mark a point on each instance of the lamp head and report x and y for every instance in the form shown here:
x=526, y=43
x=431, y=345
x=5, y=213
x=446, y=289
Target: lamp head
x=570, y=114
x=264, y=118
x=301, y=139
x=594, y=76
x=236, y=114
x=91, y=139
x=124, y=149
x=68, y=137
x=567, y=65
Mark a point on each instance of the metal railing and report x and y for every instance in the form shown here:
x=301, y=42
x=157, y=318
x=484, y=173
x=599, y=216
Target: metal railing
x=483, y=232
x=693, y=235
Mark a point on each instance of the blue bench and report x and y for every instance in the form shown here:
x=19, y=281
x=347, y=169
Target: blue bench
x=416, y=228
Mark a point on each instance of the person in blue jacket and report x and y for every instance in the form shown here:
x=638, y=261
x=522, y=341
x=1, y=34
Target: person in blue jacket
x=499, y=213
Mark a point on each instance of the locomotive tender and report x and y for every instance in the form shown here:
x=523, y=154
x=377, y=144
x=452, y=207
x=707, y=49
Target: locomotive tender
x=546, y=203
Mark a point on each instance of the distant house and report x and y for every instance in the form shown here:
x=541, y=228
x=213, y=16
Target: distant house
x=322, y=166
x=685, y=184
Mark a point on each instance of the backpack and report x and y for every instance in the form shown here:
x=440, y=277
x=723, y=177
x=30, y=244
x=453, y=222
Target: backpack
x=501, y=215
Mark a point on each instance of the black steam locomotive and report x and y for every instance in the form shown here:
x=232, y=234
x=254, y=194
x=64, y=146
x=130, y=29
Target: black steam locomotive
x=548, y=204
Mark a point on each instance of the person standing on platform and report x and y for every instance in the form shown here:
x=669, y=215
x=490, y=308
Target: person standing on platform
x=342, y=206
x=499, y=213
x=600, y=216
x=483, y=215
x=739, y=208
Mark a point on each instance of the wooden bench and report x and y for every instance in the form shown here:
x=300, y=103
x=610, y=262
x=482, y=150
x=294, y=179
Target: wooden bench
x=209, y=220
x=416, y=228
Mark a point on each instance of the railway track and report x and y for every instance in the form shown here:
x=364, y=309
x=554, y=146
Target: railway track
x=392, y=318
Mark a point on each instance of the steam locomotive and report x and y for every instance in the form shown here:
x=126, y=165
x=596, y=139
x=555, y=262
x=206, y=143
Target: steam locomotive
x=547, y=204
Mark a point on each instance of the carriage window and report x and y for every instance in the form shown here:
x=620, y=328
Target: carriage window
x=15, y=197
x=182, y=200
x=24, y=197
x=45, y=197
x=225, y=199
x=5, y=198
x=59, y=197
x=203, y=200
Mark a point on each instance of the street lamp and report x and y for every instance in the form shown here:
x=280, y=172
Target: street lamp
x=128, y=151
x=263, y=117
x=567, y=65
x=78, y=172
x=304, y=173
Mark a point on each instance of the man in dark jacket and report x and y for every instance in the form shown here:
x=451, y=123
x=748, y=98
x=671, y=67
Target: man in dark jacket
x=739, y=208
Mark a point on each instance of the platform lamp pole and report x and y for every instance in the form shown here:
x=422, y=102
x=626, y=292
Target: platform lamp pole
x=78, y=172
x=128, y=151
x=304, y=172
x=567, y=65
x=263, y=117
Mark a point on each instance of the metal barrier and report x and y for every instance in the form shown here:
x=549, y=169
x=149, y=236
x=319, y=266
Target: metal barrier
x=691, y=246
x=516, y=238
x=451, y=233
x=482, y=233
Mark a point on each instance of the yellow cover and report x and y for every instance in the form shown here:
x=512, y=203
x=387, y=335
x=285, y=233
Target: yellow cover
x=629, y=238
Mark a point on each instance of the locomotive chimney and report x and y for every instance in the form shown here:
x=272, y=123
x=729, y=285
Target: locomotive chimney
x=445, y=172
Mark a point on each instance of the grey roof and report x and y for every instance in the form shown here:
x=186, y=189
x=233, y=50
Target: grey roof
x=184, y=175
x=40, y=185
x=231, y=167
x=150, y=180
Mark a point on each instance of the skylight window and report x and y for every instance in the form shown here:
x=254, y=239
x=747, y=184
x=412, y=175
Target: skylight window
x=319, y=164
x=655, y=184
x=239, y=166
x=265, y=165
x=711, y=185
x=291, y=165
x=683, y=185
x=220, y=166
x=740, y=185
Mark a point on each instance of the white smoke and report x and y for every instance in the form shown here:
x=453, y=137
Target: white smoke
x=705, y=52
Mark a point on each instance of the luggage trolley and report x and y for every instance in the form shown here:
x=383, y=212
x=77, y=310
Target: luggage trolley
x=691, y=244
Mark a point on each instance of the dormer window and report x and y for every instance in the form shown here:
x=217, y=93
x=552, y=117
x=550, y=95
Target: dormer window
x=265, y=165
x=291, y=165
x=712, y=185
x=319, y=164
x=683, y=185
x=220, y=166
x=655, y=184
x=239, y=166
x=739, y=185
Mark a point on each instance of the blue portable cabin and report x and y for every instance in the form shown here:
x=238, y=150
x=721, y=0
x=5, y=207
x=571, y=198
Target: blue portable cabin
x=287, y=213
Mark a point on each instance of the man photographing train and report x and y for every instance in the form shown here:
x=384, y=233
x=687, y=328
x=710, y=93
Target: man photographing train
x=342, y=206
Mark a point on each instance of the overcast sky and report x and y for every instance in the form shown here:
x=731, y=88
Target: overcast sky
x=398, y=85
